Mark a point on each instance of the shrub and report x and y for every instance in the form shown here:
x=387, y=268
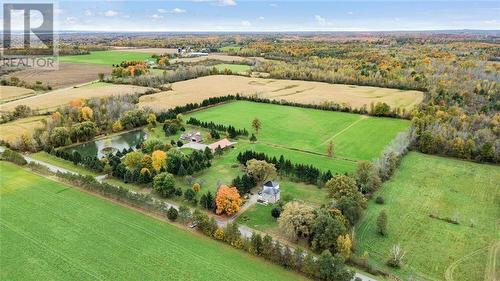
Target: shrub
x=379, y=200
x=14, y=157
x=172, y=214
x=382, y=223
x=276, y=212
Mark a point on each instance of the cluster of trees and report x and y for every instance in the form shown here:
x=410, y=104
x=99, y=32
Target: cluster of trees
x=172, y=126
x=181, y=164
x=20, y=111
x=244, y=183
x=15, y=81
x=453, y=132
x=323, y=267
x=89, y=162
x=299, y=172
x=81, y=120
x=230, y=130
x=129, y=69
x=156, y=80
x=13, y=156
x=173, y=112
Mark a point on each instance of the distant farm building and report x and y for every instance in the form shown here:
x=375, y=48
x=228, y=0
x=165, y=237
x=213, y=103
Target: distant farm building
x=222, y=143
x=192, y=136
x=271, y=192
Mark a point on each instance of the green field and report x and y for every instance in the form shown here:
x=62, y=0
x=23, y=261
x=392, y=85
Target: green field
x=356, y=137
x=105, y=57
x=435, y=249
x=230, y=48
x=50, y=231
x=235, y=68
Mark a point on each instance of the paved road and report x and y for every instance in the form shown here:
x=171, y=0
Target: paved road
x=244, y=230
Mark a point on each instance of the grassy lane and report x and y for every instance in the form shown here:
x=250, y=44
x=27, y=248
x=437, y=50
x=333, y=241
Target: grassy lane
x=434, y=248
x=49, y=231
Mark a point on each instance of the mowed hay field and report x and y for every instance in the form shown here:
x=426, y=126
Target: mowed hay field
x=435, y=249
x=306, y=92
x=52, y=100
x=355, y=136
x=12, y=130
x=11, y=93
x=50, y=231
x=68, y=74
x=106, y=57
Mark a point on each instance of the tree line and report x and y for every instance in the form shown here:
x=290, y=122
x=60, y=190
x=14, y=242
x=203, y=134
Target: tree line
x=230, y=130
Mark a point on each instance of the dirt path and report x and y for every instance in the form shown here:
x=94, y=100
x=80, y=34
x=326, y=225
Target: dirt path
x=363, y=117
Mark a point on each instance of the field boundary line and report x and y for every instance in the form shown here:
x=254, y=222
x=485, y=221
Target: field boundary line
x=363, y=117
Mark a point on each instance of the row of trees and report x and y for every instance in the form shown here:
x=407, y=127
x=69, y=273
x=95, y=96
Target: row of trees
x=323, y=267
x=89, y=162
x=299, y=172
x=230, y=130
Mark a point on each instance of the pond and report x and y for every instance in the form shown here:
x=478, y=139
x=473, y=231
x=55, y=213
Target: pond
x=114, y=143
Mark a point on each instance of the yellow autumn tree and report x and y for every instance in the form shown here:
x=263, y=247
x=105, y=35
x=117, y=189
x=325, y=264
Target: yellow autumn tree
x=219, y=234
x=117, y=126
x=86, y=113
x=196, y=187
x=56, y=116
x=159, y=158
x=227, y=201
x=344, y=246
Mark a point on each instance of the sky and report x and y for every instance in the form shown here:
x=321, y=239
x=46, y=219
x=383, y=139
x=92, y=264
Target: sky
x=260, y=15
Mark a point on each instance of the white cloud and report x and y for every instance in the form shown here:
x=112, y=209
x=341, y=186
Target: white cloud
x=87, y=13
x=219, y=2
x=226, y=3
x=71, y=20
x=350, y=13
x=110, y=13
x=260, y=18
x=173, y=11
x=246, y=23
x=58, y=12
x=320, y=20
x=274, y=5
x=156, y=17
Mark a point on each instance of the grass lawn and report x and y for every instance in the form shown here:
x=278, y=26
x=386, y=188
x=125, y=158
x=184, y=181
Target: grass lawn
x=235, y=68
x=355, y=136
x=59, y=162
x=105, y=57
x=259, y=217
x=50, y=231
x=435, y=249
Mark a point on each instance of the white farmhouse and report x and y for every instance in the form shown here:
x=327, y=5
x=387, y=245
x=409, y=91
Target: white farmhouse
x=271, y=192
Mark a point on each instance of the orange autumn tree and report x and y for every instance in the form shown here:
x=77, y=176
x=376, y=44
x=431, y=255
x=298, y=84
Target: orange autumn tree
x=227, y=200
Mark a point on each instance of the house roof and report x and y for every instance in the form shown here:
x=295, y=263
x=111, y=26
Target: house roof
x=271, y=184
x=271, y=187
x=223, y=143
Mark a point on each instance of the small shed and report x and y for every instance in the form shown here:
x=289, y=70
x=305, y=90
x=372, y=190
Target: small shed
x=271, y=192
